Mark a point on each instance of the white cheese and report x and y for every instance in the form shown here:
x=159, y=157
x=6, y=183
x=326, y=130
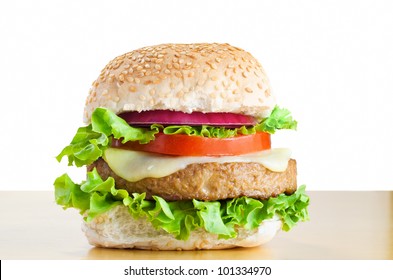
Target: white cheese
x=134, y=166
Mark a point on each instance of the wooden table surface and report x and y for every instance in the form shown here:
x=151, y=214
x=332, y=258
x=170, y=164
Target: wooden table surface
x=343, y=225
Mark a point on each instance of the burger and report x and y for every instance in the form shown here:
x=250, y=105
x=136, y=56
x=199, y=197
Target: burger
x=177, y=146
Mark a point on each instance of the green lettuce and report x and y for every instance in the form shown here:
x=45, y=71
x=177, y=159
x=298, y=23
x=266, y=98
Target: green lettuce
x=179, y=218
x=279, y=118
x=90, y=142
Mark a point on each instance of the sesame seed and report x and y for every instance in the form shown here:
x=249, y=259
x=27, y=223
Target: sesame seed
x=214, y=78
x=137, y=80
x=132, y=89
x=162, y=76
x=218, y=60
x=181, y=61
x=259, y=85
x=180, y=94
x=147, y=65
x=169, y=66
x=176, y=65
x=257, y=74
x=166, y=71
x=248, y=89
x=152, y=91
x=142, y=97
x=244, y=74
x=130, y=79
x=178, y=74
x=191, y=74
x=157, y=66
x=139, y=68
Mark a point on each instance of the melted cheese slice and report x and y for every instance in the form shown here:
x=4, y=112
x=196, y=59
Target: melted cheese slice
x=134, y=166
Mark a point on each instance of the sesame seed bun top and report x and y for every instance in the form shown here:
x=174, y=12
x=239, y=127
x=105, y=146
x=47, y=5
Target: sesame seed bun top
x=183, y=77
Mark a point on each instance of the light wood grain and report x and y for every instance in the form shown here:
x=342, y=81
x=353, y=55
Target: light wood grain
x=343, y=225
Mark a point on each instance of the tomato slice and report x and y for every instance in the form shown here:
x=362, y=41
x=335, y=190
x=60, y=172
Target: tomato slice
x=184, y=145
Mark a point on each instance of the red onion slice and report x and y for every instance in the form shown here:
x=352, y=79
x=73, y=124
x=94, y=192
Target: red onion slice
x=166, y=117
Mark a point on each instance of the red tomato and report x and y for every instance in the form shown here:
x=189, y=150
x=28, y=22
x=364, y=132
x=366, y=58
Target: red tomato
x=184, y=145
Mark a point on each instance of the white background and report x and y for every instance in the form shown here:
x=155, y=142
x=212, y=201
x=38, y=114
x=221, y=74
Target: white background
x=329, y=62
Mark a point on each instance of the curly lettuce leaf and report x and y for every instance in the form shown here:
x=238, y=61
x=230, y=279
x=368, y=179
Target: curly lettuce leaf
x=279, y=119
x=90, y=142
x=179, y=218
x=204, y=130
x=86, y=146
x=106, y=122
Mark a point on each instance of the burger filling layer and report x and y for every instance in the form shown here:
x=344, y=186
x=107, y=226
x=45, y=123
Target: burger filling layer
x=216, y=192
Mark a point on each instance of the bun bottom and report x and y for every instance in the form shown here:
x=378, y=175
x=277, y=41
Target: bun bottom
x=118, y=229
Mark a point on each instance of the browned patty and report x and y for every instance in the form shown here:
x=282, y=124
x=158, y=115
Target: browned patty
x=210, y=181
